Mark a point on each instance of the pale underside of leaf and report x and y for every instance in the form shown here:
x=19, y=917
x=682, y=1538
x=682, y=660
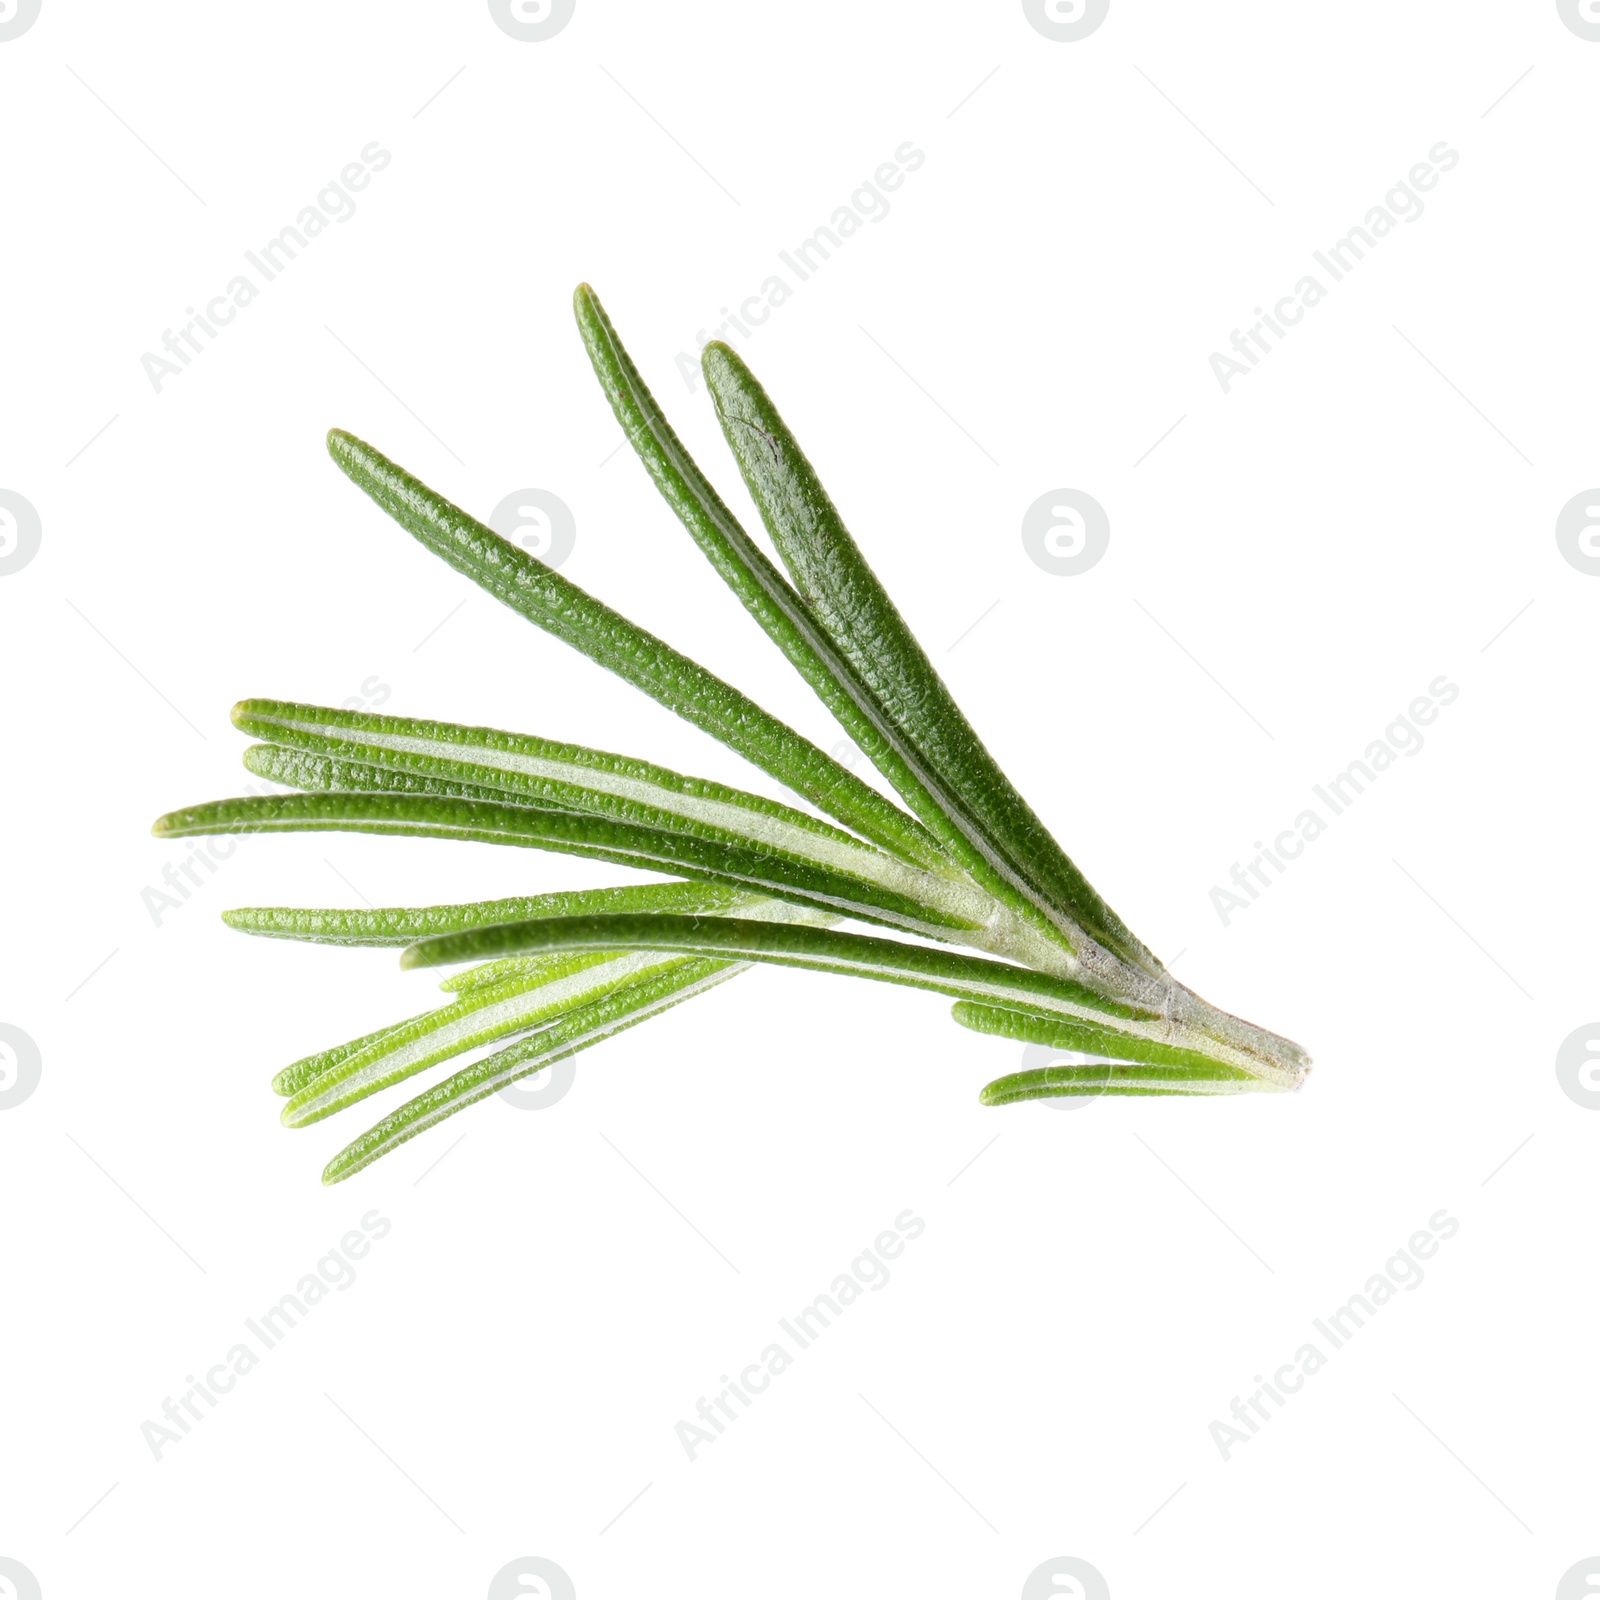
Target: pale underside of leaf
x=539, y=773
x=824, y=950
x=962, y=977
x=430, y=808
x=1113, y=1078
x=308, y=1069
x=576, y=1030
x=501, y=999
x=478, y=1017
x=1084, y=1036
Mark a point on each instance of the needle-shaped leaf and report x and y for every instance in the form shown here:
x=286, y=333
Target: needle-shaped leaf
x=479, y=1017
x=561, y=608
x=304, y=769
x=577, y=1030
x=491, y=764
x=1092, y=1079
x=307, y=1069
x=398, y=926
x=403, y=925
x=1131, y=1065
x=1142, y=1013
x=441, y=816
x=1084, y=1037
x=493, y=972
x=978, y=811
x=738, y=559
x=784, y=944
x=515, y=975
x=950, y=908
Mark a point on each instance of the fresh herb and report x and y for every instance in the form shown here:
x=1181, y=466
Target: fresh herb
x=966, y=862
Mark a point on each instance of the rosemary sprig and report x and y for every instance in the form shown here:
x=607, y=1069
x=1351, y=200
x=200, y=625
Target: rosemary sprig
x=968, y=864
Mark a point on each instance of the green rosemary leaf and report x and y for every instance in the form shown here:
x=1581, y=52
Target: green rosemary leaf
x=1194, y=1035
x=1117, y=1078
x=342, y=774
x=994, y=1095
x=785, y=944
x=493, y=972
x=577, y=1030
x=1132, y=1065
x=953, y=909
x=489, y=764
x=561, y=608
x=432, y=815
x=1143, y=1009
x=532, y=771
x=977, y=811
x=519, y=974
x=403, y=925
x=307, y=1069
x=1084, y=1037
x=479, y=1017
x=739, y=561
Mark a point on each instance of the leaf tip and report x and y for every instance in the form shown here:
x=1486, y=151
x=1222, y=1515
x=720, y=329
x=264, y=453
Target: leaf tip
x=734, y=390
x=297, y=1113
x=717, y=356
x=345, y=448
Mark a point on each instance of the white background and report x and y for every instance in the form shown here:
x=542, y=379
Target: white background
x=1289, y=567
